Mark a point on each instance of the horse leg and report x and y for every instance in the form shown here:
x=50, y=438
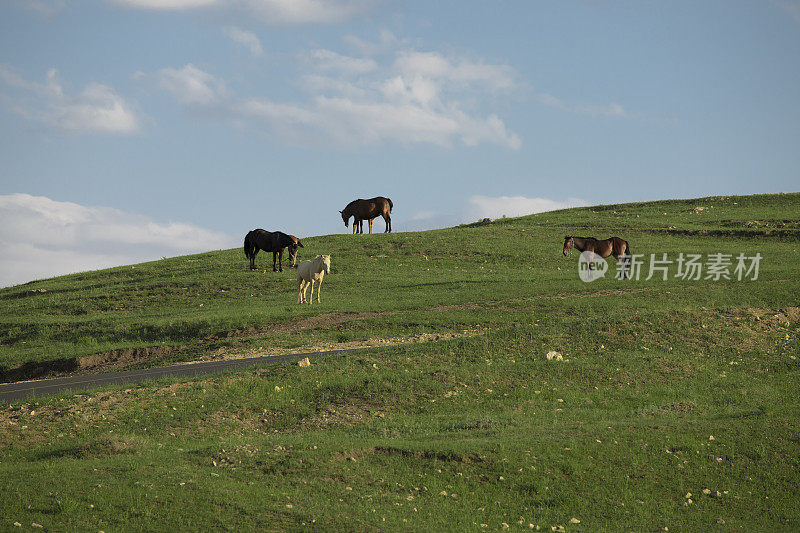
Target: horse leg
x=388, y=220
x=319, y=286
x=370, y=225
x=312, y=292
x=280, y=260
x=299, y=290
x=622, y=259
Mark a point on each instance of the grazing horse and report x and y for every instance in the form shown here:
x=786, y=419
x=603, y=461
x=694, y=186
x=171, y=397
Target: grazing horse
x=368, y=210
x=615, y=246
x=271, y=241
x=310, y=271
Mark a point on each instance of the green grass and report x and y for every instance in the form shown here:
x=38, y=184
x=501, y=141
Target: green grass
x=447, y=435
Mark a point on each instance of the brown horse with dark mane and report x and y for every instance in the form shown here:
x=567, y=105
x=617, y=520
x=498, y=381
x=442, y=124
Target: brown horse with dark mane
x=368, y=210
x=271, y=241
x=615, y=246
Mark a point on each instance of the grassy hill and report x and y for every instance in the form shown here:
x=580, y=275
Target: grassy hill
x=665, y=388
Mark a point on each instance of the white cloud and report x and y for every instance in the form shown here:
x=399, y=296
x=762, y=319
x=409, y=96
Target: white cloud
x=45, y=7
x=277, y=12
x=353, y=101
x=609, y=110
x=245, y=38
x=189, y=85
x=41, y=237
x=458, y=71
x=792, y=7
x=165, y=5
x=96, y=109
x=329, y=60
x=515, y=206
x=478, y=207
x=348, y=123
x=387, y=42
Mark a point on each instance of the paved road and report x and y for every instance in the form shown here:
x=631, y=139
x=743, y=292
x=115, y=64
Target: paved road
x=10, y=392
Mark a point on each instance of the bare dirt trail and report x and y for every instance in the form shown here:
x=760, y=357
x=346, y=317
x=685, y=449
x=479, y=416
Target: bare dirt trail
x=210, y=364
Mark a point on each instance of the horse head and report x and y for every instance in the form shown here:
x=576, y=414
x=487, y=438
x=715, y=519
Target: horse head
x=326, y=263
x=569, y=242
x=292, y=248
x=345, y=218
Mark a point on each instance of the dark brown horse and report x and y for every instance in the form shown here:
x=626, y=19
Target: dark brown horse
x=615, y=246
x=271, y=241
x=368, y=210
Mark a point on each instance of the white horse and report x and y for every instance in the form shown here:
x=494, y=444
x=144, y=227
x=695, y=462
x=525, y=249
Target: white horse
x=310, y=271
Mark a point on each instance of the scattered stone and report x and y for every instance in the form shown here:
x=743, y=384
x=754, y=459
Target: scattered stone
x=706, y=491
x=443, y=493
x=574, y=520
x=688, y=495
x=554, y=356
x=711, y=437
x=277, y=389
x=304, y=362
x=505, y=526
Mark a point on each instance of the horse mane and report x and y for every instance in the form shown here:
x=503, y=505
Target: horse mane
x=351, y=206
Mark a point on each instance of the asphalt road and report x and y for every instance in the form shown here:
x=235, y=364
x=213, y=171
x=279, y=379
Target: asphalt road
x=11, y=392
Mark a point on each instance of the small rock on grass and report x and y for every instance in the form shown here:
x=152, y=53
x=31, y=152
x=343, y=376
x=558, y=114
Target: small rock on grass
x=304, y=362
x=554, y=356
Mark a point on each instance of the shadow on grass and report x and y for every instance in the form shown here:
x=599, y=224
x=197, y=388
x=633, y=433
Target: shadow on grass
x=36, y=370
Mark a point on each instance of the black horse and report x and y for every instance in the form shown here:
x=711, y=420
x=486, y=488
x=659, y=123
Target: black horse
x=271, y=241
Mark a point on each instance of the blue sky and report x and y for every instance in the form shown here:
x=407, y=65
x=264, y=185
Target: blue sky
x=136, y=129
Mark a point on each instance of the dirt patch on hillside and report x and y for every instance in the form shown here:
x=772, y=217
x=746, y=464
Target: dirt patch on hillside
x=376, y=342
x=123, y=358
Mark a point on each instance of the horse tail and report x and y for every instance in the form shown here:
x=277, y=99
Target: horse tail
x=391, y=205
x=249, y=246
